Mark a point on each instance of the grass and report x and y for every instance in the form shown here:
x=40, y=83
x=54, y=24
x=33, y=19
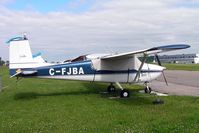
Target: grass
x=189, y=67
x=43, y=105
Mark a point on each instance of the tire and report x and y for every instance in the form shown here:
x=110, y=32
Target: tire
x=111, y=88
x=147, y=90
x=124, y=93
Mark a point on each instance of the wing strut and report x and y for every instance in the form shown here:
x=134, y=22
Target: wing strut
x=140, y=68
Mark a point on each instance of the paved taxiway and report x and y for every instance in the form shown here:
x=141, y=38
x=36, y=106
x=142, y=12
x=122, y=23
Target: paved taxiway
x=180, y=83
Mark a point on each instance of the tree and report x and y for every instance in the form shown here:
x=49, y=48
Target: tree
x=1, y=62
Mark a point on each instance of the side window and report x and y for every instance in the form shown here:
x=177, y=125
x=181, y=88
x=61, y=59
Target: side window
x=80, y=58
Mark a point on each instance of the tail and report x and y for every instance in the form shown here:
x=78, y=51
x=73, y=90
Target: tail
x=21, y=59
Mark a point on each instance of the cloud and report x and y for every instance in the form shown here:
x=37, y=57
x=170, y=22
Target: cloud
x=3, y=2
x=119, y=25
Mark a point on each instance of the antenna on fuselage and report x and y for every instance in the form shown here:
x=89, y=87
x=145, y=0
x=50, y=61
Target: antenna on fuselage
x=25, y=36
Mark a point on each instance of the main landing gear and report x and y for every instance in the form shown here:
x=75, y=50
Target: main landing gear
x=123, y=93
x=111, y=88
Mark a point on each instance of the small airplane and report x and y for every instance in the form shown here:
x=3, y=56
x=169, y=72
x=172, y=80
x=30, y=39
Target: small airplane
x=110, y=68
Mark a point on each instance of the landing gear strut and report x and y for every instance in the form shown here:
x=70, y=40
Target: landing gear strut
x=123, y=93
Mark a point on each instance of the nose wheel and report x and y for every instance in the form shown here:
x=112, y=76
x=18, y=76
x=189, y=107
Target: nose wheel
x=147, y=89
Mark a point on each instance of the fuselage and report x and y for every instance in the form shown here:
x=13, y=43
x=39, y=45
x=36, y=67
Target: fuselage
x=85, y=71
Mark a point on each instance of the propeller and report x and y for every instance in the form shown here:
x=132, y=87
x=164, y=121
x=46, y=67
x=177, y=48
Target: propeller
x=159, y=63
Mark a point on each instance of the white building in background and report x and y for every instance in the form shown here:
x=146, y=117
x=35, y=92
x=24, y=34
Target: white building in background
x=180, y=58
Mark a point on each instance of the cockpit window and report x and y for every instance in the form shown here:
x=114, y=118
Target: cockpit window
x=80, y=58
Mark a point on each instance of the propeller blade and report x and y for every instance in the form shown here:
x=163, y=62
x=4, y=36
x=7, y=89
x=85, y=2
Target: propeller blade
x=165, y=79
x=158, y=60
x=159, y=63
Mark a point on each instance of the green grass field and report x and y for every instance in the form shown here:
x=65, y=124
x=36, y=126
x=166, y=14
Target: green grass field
x=189, y=67
x=42, y=105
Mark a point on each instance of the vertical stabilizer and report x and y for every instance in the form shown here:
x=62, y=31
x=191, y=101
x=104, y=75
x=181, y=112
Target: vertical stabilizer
x=19, y=52
x=20, y=55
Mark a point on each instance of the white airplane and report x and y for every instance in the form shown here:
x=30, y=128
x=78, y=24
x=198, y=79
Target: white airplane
x=109, y=68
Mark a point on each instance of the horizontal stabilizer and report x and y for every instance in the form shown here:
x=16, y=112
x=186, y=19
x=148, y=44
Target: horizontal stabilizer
x=24, y=73
x=16, y=74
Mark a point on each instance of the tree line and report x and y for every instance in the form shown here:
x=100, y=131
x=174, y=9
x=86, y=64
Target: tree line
x=2, y=62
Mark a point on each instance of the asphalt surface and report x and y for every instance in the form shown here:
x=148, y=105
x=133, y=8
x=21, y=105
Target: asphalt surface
x=179, y=83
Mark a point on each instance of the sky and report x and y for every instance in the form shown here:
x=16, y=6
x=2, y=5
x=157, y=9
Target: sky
x=65, y=29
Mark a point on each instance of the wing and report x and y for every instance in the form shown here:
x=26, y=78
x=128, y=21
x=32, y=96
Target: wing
x=154, y=50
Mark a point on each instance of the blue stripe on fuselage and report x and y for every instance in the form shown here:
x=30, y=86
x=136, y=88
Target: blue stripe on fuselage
x=67, y=69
